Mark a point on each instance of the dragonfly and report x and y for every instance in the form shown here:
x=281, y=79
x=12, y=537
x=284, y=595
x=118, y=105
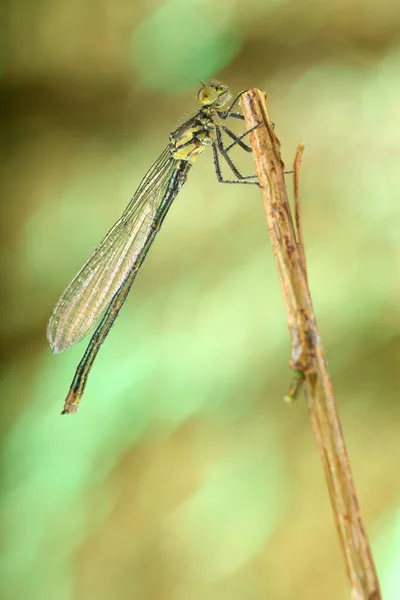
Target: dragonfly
x=94, y=298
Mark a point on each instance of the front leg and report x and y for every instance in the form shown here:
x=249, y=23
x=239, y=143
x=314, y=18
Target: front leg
x=224, y=114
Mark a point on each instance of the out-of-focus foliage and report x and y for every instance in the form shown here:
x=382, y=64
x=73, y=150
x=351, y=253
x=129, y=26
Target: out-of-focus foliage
x=184, y=476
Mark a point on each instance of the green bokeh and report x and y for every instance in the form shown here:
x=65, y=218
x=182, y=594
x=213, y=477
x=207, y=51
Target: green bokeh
x=184, y=474
x=179, y=44
x=387, y=549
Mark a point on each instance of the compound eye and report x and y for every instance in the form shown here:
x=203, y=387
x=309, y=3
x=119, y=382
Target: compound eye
x=207, y=95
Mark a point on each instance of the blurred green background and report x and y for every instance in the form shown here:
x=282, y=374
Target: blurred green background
x=184, y=475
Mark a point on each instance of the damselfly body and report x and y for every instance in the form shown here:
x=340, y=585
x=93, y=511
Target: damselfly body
x=97, y=293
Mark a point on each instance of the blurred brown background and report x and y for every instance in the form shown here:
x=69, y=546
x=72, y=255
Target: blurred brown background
x=184, y=476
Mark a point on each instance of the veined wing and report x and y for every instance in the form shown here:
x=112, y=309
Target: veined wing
x=86, y=298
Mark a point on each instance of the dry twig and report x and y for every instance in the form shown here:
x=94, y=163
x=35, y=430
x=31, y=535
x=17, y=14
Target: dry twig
x=307, y=354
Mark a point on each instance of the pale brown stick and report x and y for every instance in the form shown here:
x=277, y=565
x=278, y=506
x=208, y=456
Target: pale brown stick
x=307, y=354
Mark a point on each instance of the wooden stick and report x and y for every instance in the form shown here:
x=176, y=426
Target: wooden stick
x=307, y=354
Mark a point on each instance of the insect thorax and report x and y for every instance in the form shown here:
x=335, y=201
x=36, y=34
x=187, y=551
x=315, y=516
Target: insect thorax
x=191, y=138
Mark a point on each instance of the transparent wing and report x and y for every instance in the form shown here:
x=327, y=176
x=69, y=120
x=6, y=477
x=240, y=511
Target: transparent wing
x=85, y=300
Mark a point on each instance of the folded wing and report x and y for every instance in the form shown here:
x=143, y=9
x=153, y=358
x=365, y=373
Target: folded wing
x=87, y=297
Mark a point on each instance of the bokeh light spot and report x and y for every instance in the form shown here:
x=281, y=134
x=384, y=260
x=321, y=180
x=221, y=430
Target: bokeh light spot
x=178, y=44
